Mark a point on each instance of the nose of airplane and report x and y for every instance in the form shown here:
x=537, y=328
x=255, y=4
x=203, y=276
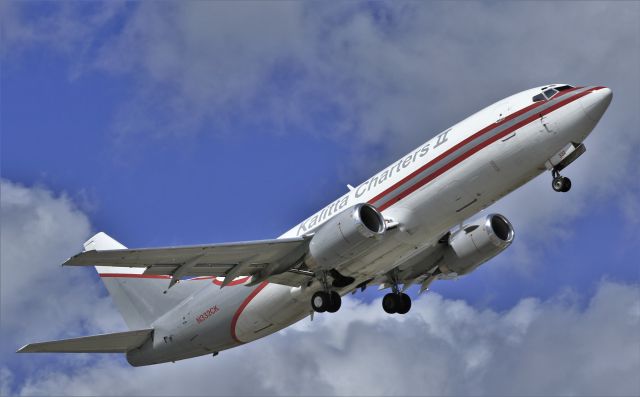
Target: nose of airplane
x=595, y=104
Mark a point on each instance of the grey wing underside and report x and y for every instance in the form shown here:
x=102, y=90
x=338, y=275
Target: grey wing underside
x=279, y=261
x=419, y=269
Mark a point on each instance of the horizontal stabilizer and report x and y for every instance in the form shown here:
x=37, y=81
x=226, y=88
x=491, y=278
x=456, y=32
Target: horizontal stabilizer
x=119, y=342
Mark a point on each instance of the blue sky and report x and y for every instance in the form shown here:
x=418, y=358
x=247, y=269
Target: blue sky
x=182, y=123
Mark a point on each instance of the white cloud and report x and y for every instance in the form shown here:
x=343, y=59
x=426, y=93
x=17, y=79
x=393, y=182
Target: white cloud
x=6, y=381
x=442, y=347
x=41, y=300
x=405, y=69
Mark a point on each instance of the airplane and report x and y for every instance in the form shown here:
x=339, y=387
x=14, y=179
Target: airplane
x=404, y=226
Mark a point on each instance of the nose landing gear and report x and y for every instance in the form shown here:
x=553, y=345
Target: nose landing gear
x=560, y=183
x=560, y=161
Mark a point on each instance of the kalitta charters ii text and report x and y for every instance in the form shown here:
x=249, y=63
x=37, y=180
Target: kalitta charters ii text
x=378, y=180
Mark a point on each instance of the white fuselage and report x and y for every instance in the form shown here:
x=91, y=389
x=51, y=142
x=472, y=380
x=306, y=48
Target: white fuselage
x=428, y=191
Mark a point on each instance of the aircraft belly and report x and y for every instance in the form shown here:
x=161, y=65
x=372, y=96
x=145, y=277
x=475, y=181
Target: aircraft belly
x=273, y=309
x=200, y=325
x=214, y=332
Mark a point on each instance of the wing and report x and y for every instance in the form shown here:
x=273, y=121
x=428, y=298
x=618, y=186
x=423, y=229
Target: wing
x=261, y=260
x=421, y=268
x=119, y=342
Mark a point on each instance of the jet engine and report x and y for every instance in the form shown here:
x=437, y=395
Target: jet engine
x=476, y=243
x=345, y=236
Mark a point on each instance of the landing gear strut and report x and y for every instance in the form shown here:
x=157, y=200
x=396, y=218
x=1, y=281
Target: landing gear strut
x=326, y=300
x=560, y=183
x=396, y=301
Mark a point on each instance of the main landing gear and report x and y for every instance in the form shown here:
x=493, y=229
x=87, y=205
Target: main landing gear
x=326, y=300
x=396, y=301
x=560, y=183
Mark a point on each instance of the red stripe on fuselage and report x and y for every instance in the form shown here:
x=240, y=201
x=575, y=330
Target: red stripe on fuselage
x=456, y=147
x=166, y=277
x=129, y=275
x=244, y=304
x=471, y=151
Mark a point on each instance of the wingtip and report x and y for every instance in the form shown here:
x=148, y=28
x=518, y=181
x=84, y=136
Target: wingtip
x=68, y=261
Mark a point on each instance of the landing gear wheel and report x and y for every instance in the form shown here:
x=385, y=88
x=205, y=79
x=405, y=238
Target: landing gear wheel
x=390, y=303
x=405, y=304
x=396, y=303
x=320, y=301
x=561, y=184
x=335, y=301
x=323, y=301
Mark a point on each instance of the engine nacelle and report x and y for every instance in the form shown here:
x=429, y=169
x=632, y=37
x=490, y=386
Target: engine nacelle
x=476, y=243
x=345, y=236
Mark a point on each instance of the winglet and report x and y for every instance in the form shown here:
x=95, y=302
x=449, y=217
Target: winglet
x=102, y=241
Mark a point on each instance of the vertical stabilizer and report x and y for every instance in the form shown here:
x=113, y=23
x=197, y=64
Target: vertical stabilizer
x=139, y=298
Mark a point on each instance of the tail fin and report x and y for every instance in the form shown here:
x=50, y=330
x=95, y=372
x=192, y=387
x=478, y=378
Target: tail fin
x=140, y=298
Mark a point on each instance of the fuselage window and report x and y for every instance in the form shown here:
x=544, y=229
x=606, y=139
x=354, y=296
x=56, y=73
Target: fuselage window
x=550, y=93
x=538, y=98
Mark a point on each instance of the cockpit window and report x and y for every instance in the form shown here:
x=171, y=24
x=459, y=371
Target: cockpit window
x=550, y=93
x=538, y=98
x=563, y=87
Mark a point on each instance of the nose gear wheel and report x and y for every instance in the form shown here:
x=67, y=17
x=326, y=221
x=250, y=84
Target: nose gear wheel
x=560, y=183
